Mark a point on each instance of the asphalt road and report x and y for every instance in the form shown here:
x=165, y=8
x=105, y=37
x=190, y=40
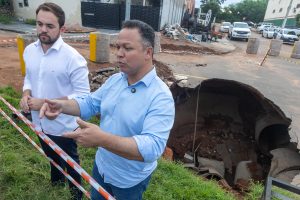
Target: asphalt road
x=278, y=79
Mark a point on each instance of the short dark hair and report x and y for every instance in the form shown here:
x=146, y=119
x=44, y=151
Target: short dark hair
x=55, y=9
x=145, y=30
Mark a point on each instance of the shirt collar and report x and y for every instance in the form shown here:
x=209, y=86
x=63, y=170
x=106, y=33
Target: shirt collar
x=55, y=46
x=146, y=79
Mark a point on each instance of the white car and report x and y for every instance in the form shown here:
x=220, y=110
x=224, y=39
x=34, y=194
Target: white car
x=287, y=35
x=262, y=27
x=225, y=27
x=268, y=32
x=239, y=30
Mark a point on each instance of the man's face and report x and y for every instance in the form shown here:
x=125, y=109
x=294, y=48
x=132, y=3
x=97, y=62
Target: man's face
x=131, y=54
x=48, y=29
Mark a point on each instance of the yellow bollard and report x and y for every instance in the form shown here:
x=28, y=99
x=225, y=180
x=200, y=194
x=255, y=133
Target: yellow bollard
x=93, y=46
x=21, y=47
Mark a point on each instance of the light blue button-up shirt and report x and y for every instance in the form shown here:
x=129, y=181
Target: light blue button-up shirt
x=144, y=111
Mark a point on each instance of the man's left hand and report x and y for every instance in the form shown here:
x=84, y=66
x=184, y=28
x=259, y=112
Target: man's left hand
x=35, y=103
x=87, y=135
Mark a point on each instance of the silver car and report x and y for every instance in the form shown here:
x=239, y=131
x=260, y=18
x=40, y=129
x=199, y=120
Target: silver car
x=225, y=27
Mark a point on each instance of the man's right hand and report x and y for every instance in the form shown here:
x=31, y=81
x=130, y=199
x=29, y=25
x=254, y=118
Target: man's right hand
x=24, y=103
x=51, y=109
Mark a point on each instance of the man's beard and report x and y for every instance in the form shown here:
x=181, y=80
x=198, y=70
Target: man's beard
x=47, y=41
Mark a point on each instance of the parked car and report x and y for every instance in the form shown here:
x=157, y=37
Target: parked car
x=225, y=27
x=268, y=32
x=262, y=27
x=287, y=35
x=263, y=23
x=239, y=30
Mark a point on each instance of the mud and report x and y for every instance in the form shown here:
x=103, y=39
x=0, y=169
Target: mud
x=184, y=47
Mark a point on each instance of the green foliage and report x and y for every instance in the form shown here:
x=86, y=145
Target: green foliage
x=4, y=2
x=212, y=5
x=247, y=10
x=256, y=190
x=30, y=21
x=172, y=181
x=5, y=19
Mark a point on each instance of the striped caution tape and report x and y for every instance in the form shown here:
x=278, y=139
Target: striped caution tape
x=61, y=153
x=65, y=37
x=42, y=152
x=76, y=36
x=8, y=41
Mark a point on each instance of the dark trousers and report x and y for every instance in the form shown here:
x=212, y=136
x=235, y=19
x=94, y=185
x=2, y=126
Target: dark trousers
x=133, y=193
x=57, y=178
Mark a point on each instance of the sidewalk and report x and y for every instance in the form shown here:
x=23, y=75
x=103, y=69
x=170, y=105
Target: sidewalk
x=21, y=27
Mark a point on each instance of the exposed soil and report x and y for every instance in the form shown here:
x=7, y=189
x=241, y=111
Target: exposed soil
x=185, y=47
x=221, y=137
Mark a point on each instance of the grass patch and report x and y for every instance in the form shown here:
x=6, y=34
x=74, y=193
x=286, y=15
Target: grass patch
x=24, y=173
x=30, y=21
x=5, y=19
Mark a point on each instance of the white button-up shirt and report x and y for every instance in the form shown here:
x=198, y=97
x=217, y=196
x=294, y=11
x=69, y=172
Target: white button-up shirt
x=59, y=72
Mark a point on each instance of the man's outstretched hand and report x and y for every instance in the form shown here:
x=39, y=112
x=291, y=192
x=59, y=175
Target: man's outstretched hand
x=51, y=109
x=86, y=135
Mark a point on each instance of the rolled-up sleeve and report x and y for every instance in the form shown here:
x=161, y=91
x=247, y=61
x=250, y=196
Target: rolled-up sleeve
x=78, y=73
x=156, y=129
x=89, y=105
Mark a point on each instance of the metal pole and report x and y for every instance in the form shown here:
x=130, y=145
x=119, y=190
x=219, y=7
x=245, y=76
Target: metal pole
x=127, y=11
x=287, y=14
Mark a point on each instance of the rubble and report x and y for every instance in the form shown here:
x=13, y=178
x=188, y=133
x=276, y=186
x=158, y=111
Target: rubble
x=177, y=32
x=98, y=77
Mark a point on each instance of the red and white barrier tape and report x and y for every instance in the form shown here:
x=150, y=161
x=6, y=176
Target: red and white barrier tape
x=42, y=152
x=8, y=41
x=61, y=153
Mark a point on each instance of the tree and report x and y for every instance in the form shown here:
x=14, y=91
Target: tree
x=212, y=5
x=252, y=10
x=247, y=10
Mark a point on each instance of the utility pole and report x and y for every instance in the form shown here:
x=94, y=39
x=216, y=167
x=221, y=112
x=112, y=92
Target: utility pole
x=127, y=10
x=287, y=14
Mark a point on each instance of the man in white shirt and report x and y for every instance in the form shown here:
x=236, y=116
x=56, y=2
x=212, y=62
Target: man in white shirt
x=54, y=70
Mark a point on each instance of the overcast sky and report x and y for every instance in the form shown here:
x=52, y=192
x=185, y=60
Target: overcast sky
x=227, y=2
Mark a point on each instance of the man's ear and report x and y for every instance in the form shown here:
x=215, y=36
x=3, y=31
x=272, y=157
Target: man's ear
x=62, y=29
x=149, y=53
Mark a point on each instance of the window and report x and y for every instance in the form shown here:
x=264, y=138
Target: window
x=274, y=11
x=298, y=5
x=26, y=3
x=21, y=5
x=280, y=10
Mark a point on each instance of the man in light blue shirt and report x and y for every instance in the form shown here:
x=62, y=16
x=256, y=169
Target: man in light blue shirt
x=137, y=113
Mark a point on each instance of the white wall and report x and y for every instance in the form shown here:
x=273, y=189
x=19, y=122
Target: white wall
x=72, y=9
x=277, y=5
x=172, y=11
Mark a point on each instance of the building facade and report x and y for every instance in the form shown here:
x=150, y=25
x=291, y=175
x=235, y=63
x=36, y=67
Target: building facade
x=277, y=10
x=25, y=9
x=169, y=11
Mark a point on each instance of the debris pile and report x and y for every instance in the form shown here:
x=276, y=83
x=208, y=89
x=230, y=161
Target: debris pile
x=98, y=77
x=178, y=33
